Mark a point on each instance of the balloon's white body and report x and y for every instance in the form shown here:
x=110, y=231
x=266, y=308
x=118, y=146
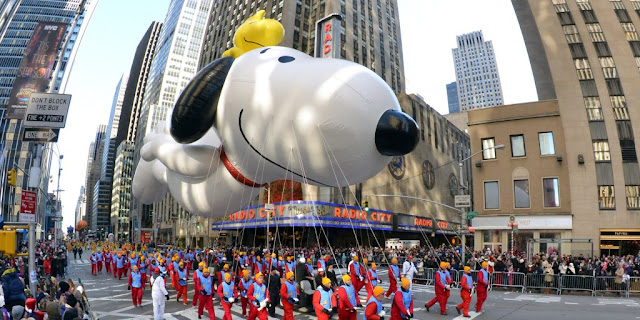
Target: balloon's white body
x=310, y=120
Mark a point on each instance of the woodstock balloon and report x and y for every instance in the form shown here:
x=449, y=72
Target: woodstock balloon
x=271, y=113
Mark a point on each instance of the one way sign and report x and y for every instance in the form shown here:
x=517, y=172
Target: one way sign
x=41, y=134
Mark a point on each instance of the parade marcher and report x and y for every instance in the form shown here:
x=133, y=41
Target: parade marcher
x=373, y=310
x=120, y=263
x=259, y=298
x=441, y=287
x=348, y=301
x=394, y=277
x=483, y=283
x=222, y=273
x=182, y=275
x=244, y=285
x=402, y=306
x=94, y=266
x=258, y=266
x=324, y=302
x=114, y=264
x=143, y=271
x=135, y=285
x=205, y=286
x=289, y=296
x=99, y=261
x=466, y=288
x=159, y=295
x=372, y=279
x=196, y=280
x=107, y=261
x=274, y=285
x=228, y=294
x=356, y=271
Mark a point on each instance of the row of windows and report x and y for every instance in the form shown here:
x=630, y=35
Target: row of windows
x=545, y=142
x=521, y=194
x=607, y=199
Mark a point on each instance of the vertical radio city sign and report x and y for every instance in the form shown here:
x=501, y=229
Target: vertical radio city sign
x=328, y=40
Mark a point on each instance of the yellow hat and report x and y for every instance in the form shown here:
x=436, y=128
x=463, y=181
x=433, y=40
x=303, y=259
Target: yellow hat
x=226, y=266
x=308, y=260
x=394, y=260
x=355, y=258
x=227, y=277
x=365, y=261
x=280, y=258
x=346, y=277
x=326, y=280
x=443, y=264
x=133, y=255
x=289, y=258
x=484, y=264
x=258, y=257
x=378, y=291
x=405, y=282
x=141, y=258
x=373, y=264
x=181, y=264
x=205, y=270
x=448, y=264
x=259, y=274
x=289, y=275
x=93, y=252
x=273, y=255
x=467, y=269
x=245, y=272
x=202, y=264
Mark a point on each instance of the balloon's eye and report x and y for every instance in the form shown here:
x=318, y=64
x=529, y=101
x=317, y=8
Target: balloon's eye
x=286, y=59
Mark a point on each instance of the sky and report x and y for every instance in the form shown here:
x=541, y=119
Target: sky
x=428, y=31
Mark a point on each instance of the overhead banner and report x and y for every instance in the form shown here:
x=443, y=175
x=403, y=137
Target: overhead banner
x=36, y=66
x=307, y=214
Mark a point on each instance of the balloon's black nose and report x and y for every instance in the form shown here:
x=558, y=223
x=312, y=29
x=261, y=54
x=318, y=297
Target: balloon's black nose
x=396, y=133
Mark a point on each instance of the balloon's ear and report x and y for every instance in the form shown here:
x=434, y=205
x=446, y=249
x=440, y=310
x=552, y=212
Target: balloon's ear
x=195, y=110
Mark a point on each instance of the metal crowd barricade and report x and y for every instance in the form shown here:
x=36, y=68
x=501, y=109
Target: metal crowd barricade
x=427, y=277
x=610, y=284
x=508, y=279
x=634, y=285
x=577, y=283
x=541, y=281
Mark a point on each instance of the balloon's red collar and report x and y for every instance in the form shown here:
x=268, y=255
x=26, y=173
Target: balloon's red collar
x=235, y=173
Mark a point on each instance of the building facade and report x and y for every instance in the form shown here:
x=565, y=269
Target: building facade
x=477, y=78
x=586, y=54
x=94, y=168
x=121, y=191
x=528, y=179
x=452, y=97
x=80, y=207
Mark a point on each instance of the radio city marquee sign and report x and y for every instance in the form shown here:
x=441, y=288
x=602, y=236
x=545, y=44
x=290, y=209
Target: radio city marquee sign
x=309, y=213
x=415, y=223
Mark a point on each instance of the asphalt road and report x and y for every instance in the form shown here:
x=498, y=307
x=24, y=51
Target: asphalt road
x=110, y=299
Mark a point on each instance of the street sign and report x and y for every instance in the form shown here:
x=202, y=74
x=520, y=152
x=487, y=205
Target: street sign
x=47, y=110
x=471, y=214
x=28, y=206
x=463, y=201
x=41, y=134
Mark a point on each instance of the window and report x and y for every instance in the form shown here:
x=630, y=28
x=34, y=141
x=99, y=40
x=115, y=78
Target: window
x=601, y=151
x=546, y=143
x=594, y=111
x=491, y=195
x=517, y=146
x=628, y=149
x=606, y=197
x=633, y=196
x=488, y=145
x=550, y=192
x=521, y=193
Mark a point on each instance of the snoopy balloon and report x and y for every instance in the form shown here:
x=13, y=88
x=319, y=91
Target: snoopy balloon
x=271, y=113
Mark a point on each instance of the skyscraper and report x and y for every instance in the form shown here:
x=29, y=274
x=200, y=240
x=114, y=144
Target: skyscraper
x=116, y=107
x=121, y=191
x=452, y=97
x=80, y=206
x=94, y=170
x=586, y=54
x=369, y=34
x=20, y=19
x=477, y=79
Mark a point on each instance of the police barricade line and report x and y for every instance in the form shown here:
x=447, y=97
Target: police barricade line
x=427, y=277
x=611, y=284
x=507, y=279
x=577, y=283
x=547, y=282
x=634, y=284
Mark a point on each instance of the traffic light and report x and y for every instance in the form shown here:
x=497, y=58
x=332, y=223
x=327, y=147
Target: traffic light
x=366, y=205
x=11, y=177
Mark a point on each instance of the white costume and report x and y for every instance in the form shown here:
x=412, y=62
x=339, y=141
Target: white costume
x=158, y=294
x=408, y=270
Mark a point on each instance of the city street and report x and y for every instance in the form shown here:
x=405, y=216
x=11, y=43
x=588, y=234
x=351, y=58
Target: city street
x=110, y=299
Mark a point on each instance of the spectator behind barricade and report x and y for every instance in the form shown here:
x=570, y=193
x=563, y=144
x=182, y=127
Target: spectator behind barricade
x=13, y=288
x=17, y=312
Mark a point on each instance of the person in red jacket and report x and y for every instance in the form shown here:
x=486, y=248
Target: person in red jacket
x=483, y=283
x=228, y=294
x=223, y=273
x=441, y=287
x=46, y=266
x=356, y=271
x=402, y=306
x=349, y=302
x=373, y=309
x=289, y=296
x=259, y=297
x=324, y=302
x=394, y=277
x=372, y=279
x=466, y=288
x=196, y=282
x=205, y=285
x=244, y=284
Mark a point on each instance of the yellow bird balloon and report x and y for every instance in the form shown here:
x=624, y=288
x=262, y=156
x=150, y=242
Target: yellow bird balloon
x=255, y=33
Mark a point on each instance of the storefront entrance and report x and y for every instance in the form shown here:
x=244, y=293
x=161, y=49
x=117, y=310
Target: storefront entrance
x=619, y=242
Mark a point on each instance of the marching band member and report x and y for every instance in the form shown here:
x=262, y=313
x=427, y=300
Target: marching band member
x=205, y=286
x=402, y=307
x=135, y=284
x=394, y=277
x=466, y=288
x=244, y=285
x=228, y=293
x=374, y=310
x=259, y=298
x=348, y=301
x=289, y=296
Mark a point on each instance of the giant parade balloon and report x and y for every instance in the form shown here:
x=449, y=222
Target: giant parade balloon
x=263, y=113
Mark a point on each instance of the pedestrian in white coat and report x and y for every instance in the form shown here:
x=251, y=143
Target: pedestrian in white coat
x=159, y=295
x=409, y=270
